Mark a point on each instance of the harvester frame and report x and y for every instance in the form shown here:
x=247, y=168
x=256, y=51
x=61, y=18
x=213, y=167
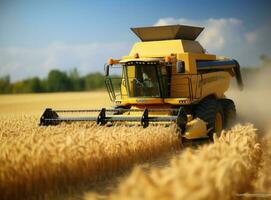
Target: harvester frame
x=168, y=77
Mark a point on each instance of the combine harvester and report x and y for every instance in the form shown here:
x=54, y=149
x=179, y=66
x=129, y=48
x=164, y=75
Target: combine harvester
x=166, y=78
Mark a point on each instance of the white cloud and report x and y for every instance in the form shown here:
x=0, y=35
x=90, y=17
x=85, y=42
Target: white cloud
x=216, y=33
x=251, y=37
x=226, y=36
x=260, y=37
x=25, y=62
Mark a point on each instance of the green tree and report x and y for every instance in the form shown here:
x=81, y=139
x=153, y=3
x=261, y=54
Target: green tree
x=18, y=87
x=94, y=81
x=58, y=81
x=33, y=85
x=5, y=86
x=77, y=82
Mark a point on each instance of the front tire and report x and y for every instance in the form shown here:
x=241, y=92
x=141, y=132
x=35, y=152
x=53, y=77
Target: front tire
x=211, y=111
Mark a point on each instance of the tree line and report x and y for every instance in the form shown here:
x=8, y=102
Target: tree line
x=61, y=81
x=56, y=81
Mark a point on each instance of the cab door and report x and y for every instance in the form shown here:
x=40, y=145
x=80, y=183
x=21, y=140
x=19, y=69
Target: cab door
x=165, y=79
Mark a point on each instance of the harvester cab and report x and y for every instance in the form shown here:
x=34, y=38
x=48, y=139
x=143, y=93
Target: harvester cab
x=167, y=78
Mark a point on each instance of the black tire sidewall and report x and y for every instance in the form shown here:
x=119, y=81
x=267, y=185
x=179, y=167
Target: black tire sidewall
x=207, y=110
x=229, y=110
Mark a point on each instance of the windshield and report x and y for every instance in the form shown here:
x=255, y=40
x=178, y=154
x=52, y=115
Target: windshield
x=143, y=81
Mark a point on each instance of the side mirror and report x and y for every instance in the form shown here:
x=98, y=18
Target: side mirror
x=180, y=67
x=106, y=70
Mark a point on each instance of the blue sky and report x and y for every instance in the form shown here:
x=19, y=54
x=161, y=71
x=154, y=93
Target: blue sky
x=36, y=36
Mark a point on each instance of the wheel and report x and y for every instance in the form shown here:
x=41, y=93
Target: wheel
x=229, y=112
x=211, y=111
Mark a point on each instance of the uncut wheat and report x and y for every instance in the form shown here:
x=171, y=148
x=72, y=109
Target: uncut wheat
x=35, y=160
x=263, y=183
x=217, y=171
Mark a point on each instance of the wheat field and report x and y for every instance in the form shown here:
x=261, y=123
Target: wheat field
x=36, y=161
x=217, y=171
x=34, y=104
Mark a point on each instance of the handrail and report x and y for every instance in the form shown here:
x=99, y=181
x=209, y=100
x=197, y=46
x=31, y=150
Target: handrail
x=182, y=87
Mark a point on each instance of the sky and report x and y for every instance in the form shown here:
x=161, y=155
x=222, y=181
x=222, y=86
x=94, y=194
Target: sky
x=37, y=36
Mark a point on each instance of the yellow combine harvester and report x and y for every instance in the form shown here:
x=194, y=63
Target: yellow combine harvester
x=168, y=77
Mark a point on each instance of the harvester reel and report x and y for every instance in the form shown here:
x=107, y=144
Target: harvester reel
x=101, y=117
x=54, y=117
x=49, y=114
x=145, y=119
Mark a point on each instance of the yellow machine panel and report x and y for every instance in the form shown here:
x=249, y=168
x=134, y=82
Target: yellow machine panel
x=216, y=83
x=166, y=47
x=167, y=77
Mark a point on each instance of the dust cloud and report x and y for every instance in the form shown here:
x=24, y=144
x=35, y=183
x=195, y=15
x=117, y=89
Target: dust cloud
x=253, y=104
